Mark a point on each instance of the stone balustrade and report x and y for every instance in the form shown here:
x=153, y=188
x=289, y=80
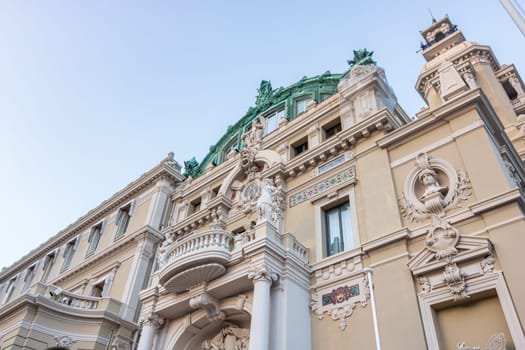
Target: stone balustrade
x=198, y=257
x=72, y=299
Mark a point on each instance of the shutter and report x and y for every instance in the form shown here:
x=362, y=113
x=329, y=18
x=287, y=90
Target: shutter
x=132, y=206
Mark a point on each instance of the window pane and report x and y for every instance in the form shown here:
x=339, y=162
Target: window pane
x=334, y=244
x=272, y=122
x=346, y=226
x=301, y=105
x=338, y=229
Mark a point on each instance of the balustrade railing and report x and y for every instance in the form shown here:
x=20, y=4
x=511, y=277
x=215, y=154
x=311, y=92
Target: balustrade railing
x=202, y=241
x=74, y=300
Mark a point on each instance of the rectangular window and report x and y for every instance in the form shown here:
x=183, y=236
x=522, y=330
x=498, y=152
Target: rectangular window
x=195, y=206
x=69, y=251
x=331, y=129
x=28, y=278
x=272, y=121
x=338, y=229
x=300, y=106
x=299, y=147
x=122, y=220
x=49, y=261
x=10, y=288
x=94, y=238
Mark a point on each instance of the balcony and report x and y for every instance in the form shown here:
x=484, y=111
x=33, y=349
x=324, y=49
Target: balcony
x=198, y=257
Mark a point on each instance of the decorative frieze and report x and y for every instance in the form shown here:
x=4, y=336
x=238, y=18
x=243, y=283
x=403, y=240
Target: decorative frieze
x=340, y=302
x=345, y=176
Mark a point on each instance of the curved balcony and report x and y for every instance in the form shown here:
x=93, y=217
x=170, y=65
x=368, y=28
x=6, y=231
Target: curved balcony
x=199, y=257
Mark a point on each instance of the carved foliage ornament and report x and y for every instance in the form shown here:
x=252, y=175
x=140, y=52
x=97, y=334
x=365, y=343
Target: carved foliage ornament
x=230, y=337
x=433, y=187
x=496, y=342
x=63, y=341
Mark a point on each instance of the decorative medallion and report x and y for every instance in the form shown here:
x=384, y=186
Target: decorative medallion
x=433, y=187
x=344, y=176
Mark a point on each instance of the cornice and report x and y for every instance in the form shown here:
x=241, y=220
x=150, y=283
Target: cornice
x=431, y=118
x=382, y=120
x=145, y=181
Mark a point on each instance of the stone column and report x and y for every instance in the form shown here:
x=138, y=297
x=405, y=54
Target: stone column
x=262, y=277
x=150, y=324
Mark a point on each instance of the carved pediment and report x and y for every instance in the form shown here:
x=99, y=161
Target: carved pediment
x=468, y=247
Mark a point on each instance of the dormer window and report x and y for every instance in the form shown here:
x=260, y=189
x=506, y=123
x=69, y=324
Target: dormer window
x=272, y=121
x=300, y=105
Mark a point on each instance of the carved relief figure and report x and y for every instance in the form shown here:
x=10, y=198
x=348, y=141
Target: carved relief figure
x=228, y=338
x=429, y=179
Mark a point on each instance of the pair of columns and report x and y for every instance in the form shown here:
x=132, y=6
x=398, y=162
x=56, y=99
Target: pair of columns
x=262, y=277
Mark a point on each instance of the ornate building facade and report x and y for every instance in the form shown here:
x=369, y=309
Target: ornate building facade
x=324, y=218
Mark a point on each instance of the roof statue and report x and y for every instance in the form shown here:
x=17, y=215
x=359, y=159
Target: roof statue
x=191, y=167
x=362, y=57
x=265, y=92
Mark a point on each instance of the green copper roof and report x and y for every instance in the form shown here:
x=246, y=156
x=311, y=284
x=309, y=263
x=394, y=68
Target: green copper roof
x=269, y=101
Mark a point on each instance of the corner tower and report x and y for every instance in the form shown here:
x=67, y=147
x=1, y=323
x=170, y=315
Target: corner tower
x=455, y=66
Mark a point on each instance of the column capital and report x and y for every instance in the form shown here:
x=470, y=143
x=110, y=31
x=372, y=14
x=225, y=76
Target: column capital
x=151, y=319
x=262, y=273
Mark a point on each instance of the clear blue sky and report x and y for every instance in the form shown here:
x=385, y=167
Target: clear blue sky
x=94, y=93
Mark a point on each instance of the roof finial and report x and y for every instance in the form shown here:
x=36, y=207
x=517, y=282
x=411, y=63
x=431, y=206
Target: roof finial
x=431, y=15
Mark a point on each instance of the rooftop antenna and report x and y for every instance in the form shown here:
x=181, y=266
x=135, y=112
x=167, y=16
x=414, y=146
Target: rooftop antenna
x=431, y=15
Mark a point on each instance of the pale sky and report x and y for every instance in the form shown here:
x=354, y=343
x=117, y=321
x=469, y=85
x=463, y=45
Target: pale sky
x=95, y=93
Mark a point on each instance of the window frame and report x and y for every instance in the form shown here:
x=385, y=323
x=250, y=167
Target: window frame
x=95, y=233
x=11, y=286
x=303, y=100
x=279, y=112
x=329, y=201
x=129, y=210
x=69, y=251
x=49, y=262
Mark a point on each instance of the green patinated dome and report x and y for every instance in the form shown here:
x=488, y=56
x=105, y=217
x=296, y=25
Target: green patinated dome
x=283, y=102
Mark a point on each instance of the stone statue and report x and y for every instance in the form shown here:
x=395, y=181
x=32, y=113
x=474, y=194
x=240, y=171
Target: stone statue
x=429, y=179
x=516, y=85
x=164, y=249
x=265, y=203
